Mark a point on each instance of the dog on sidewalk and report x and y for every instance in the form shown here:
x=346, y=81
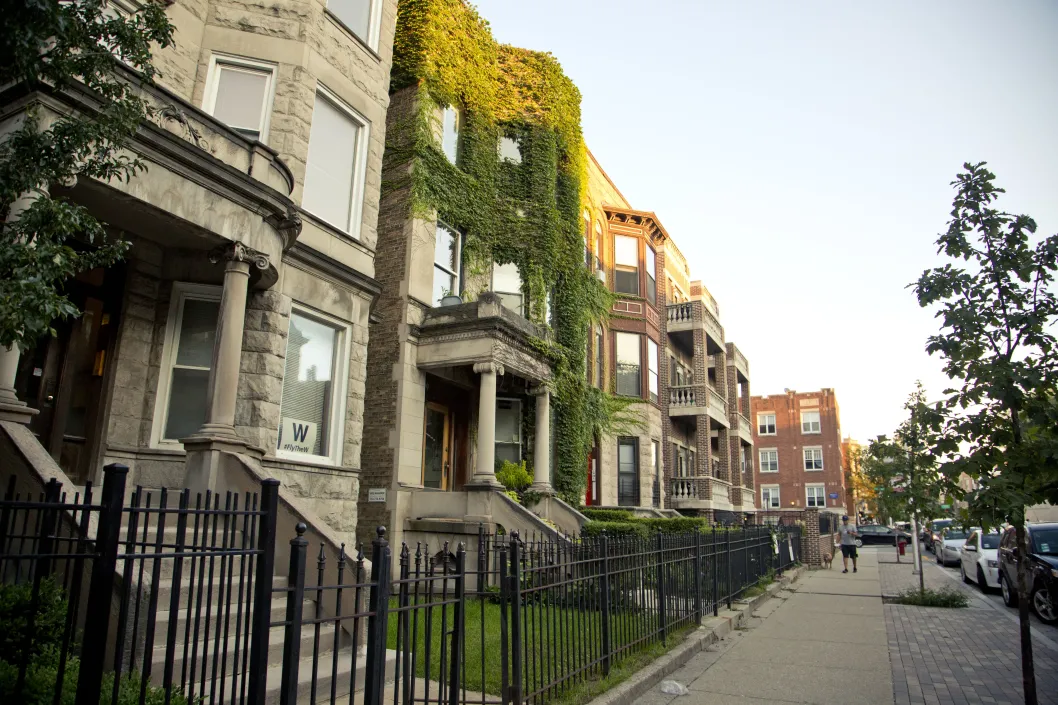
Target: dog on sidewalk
x=827, y=560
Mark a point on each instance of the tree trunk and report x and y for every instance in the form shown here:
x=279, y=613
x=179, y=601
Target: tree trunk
x=1028, y=671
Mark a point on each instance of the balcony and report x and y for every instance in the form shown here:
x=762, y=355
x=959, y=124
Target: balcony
x=736, y=358
x=700, y=493
x=688, y=400
x=745, y=431
x=691, y=315
x=718, y=408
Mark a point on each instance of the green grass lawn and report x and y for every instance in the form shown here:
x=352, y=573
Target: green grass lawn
x=558, y=641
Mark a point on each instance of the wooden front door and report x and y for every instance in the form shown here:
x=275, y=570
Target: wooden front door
x=437, y=447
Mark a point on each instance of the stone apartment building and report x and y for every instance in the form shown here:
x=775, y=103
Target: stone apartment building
x=663, y=344
x=231, y=343
x=797, y=436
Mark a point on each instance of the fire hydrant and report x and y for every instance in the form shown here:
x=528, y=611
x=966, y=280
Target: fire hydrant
x=900, y=546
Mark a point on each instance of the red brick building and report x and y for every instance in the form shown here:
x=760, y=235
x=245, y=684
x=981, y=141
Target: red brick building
x=797, y=438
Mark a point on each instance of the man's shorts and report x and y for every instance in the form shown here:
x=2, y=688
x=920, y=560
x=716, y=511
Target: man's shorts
x=848, y=551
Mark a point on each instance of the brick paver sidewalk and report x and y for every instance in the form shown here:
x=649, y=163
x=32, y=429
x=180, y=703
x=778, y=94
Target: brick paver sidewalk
x=897, y=577
x=962, y=656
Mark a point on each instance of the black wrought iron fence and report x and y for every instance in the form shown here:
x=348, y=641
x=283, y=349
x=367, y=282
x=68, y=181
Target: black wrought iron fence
x=168, y=598
x=516, y=621
x=157, y=601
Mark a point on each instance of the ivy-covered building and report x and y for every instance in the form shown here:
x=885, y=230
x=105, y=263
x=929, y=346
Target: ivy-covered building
x=478, y=350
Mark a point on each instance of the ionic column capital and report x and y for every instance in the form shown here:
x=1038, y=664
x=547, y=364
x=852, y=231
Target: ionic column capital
x=238, y=252
x=482, y=368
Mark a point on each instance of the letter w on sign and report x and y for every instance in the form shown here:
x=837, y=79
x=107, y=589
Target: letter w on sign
x=297, y=436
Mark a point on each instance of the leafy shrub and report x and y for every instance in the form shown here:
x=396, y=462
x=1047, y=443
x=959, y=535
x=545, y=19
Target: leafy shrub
x=676, y=525
x=514, y=476
x=948, y=597
x=16, y=608
x=615, y=528
x=607, y=514
x=42, y=671
x=513, y=495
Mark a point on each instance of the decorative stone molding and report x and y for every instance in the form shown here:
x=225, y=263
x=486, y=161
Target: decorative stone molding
x=238, y=252
x=170, y=114
x=486, y=367
x=289, y=227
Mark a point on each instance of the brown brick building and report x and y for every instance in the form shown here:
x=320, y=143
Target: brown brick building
x=797, y=437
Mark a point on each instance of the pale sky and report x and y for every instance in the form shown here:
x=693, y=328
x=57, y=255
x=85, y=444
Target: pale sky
x=800, y=154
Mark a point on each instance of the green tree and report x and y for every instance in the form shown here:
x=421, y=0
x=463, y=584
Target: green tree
x=907, y=469
x=44, y=239
x=997, y=308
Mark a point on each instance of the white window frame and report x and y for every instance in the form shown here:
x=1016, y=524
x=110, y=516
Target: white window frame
x=182, y=291
x=219, y=61
x=521, y=411
x=804, y=456
x=818, y=422
x=760, y=458
x=774, y=424
x=374, y=22
x=339, y=392
x=811, y=489
x=457, y=273
x=523, y=309
x=363, y=139
x=774, y=501
x=653, y=370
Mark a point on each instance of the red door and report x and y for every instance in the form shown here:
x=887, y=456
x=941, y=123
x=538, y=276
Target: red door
x=591, y=497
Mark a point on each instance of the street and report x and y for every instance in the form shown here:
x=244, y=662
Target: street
x=992, y=596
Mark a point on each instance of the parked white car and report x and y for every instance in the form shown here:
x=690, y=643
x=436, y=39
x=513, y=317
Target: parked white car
x=946, y=548
x=979, y=559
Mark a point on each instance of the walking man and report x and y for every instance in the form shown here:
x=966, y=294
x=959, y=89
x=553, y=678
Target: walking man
x=848, y=543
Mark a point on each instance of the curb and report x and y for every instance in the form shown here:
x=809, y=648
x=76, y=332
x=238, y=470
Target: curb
x=712, y=630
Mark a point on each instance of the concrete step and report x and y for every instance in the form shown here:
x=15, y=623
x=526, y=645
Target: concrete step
x=163, y=618
x=345, y=677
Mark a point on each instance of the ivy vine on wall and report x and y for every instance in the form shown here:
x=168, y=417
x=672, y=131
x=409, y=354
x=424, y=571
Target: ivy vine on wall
x=527, y=213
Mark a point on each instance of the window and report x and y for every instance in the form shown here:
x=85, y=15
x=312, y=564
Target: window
x=626, y=265
x=655, y=471
x=190, y=334
x=311, y=411
x=816, y=495
x=769, y=460
x=507, y=284
x=600, y=358
x=766, y=424
x=629, y=365
x=361, y=17
x=652, y=369
x=510, y=150
x=336, y=163
x=652, y=284
x=240, y=93
x=809, y=422
x=446, y=260
x=508, y=430
x=769, y=497
x=450, y=123
x=628, y=472
x=813, y=458
x=587, y=241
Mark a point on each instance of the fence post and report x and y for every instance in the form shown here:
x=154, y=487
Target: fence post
x=515, y=592
x=458, y=619
x=698, y=575
x=378, y=621
x=101, y=585
x=262, y=590
x=727, y=561
x=660, y=551
x=716, y=581
x=604, y=602
x=288, y=689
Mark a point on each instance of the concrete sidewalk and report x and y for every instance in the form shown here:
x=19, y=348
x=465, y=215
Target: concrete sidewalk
x=824, y=642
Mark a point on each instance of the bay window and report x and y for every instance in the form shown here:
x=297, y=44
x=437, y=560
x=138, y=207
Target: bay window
x=629, y=365
x=626, y=265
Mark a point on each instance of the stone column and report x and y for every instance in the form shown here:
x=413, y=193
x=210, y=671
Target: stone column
x=218, y=432
x=542, y=445
x=485, y=472
x=11, y=409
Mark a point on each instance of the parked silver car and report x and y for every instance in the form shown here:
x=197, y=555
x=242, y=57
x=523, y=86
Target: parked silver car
x=946, y=548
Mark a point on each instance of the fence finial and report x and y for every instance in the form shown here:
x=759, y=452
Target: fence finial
x=381, y=533
x=301, y=529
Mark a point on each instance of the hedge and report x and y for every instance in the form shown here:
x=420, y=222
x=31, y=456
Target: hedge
x=607, y=514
